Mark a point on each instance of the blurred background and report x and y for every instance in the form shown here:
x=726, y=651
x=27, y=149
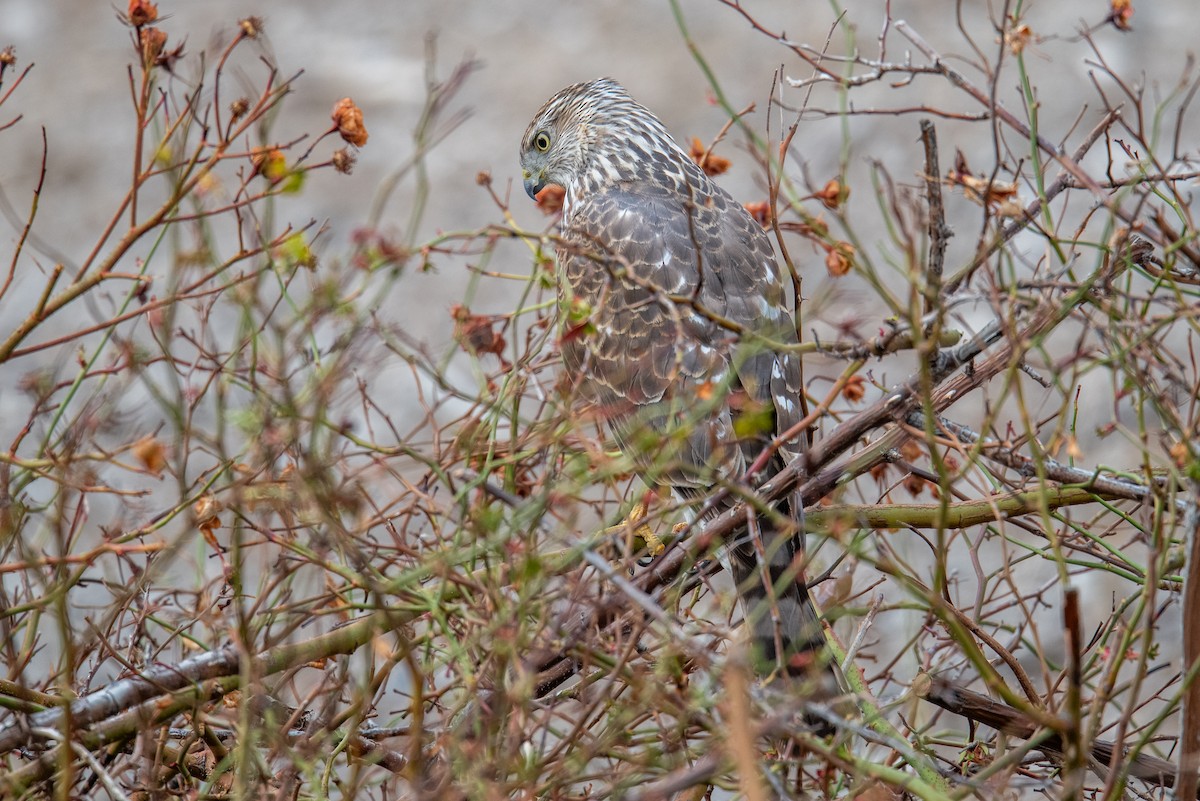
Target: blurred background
x=379, y=53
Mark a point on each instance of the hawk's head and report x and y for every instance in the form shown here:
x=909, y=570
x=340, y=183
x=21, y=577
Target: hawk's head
x=587, y=135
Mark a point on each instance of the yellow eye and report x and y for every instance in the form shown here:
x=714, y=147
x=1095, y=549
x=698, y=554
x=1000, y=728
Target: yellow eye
x=542, y=141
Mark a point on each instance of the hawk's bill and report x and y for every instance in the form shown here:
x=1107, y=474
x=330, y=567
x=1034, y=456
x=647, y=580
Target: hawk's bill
x=683, y=298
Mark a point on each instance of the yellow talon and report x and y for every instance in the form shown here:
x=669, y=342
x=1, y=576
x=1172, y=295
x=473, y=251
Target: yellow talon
x=653, y=544
x=629, y=526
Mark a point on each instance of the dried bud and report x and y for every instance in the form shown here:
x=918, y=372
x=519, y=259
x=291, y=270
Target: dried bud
x=854, y=389
x=476, y=332
x=349, y=121
x=915, y=484
x=816, y=228
x=550, y=199
x=8, y=57
x=838, y=260
x=269, y=162
x=343, y=161
x=153, y=40
x=207, y=511
x=1018, y=38
x=712, y=165
x=169, y=57
x=911, y=450
x=251, y=27
x=483, y=178
x=999, y=195
x=141, y=13
x=761, y=212
x=1121, y=13
x=239, y=107
x=151, y=452
x=833, y=194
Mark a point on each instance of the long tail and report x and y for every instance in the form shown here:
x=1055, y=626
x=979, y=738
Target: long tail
x=785, y=629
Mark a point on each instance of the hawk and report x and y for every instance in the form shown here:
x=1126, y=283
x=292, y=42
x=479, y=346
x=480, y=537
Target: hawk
x=670, y=295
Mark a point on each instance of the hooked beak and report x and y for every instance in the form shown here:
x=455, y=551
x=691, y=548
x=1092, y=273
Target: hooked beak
x=533, y=184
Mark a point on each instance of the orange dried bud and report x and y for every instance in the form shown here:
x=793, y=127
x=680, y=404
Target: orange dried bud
x=1000, y=195
x=151, y=452
x=855, y=388
x=1179, y=454
x=349, y=121
x=550, y=199
x=911, y=450
x=153, y=41
x=483, y=178
x=914, y=484
x=343, y=161
x=994, y=190
x=833, y=194
x=712, y=165
x=207, y=511
x=1073, y=449
x=1122, y=12
x=141, y=13
x=982, y=190
x=475, y=332
x=761, y=212
x=8, y=57
x=836, y=264
x=839, y=259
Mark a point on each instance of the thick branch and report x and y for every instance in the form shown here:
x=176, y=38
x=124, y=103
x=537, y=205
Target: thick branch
x=1004, y=718
x=955, y=515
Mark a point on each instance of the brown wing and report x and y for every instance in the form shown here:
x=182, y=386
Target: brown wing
x=649, y=362
x=687, y=396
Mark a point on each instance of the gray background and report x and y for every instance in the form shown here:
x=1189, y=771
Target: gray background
x=375, y=52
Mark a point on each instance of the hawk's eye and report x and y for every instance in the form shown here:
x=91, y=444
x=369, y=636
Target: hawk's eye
x=542, y=141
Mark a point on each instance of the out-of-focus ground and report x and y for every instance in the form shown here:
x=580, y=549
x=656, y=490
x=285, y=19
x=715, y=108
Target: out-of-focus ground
x=376, y=53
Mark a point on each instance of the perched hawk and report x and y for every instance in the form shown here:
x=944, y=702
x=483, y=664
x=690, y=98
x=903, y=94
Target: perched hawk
x=669, y=292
